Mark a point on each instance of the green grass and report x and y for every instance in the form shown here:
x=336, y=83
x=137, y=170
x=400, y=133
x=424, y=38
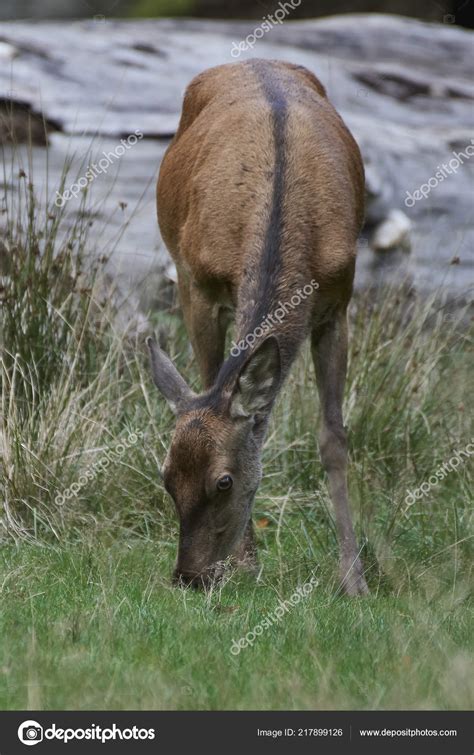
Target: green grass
x=88, y=615
x=99, y=626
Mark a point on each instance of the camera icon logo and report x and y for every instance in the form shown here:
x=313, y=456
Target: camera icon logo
x=30, y=732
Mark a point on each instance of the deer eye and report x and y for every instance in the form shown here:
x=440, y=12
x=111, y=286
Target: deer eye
x=225, y=482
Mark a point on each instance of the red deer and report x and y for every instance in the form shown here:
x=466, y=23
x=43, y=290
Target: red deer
x=260, y=194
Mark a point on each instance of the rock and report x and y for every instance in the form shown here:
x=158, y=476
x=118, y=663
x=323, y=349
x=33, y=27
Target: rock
x=19, y=124
x=393, y=232
x=7, y=52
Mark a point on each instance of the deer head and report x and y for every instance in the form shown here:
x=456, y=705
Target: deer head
x=213, y=468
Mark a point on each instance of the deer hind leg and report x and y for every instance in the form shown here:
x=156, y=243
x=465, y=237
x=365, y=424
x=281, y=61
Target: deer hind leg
x=329, y=351
x=206, y=323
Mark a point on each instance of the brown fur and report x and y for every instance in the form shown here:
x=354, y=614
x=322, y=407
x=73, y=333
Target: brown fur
x=260, y=192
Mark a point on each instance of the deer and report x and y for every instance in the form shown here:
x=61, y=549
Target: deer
x=260, y=192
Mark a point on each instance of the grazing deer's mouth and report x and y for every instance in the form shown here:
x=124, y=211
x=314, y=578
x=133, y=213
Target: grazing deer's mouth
x=196, y=581
x=203, y=580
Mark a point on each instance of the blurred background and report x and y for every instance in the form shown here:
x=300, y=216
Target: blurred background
x=458, y=12
x=76, y=76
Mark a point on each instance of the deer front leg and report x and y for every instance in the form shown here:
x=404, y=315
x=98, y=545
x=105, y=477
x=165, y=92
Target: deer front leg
x=206, y=323
x=329, y=351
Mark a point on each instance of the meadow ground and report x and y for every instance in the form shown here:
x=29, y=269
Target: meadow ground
x=89, y=619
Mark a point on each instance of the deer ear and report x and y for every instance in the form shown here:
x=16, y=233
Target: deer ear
x=167, y=378
x=258, y=382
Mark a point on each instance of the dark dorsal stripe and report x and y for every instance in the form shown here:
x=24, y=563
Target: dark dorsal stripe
x=267, y=278
x=261, y=284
